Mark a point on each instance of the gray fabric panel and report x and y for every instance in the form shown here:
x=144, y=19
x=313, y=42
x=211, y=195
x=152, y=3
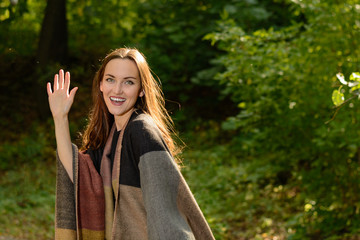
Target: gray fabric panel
x=188, y=206
x=159, y=183
x=65, y=197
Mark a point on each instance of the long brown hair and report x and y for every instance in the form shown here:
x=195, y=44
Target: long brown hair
x=152, y=103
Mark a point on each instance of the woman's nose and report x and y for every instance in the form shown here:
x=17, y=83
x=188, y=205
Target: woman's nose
x=118, y=88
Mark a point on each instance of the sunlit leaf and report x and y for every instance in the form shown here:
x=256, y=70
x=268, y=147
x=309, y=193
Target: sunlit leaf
x=337, y=97
x=242, y=105
x=307, y=207
x=353, y=84
x=356, y=87
x=341, y=78
x=355, y=76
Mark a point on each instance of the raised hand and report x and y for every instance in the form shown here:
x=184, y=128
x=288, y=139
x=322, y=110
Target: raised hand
x=60, y=100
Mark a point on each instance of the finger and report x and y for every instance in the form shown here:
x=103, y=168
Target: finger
x=67, y=82
x=61, y=78
x=72, y=93
x=56, y=82
x=48, y=88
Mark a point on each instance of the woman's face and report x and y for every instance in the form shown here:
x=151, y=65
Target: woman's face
x=121, y=88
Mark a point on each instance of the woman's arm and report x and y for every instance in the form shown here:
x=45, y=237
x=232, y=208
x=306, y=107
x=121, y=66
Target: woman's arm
x=60, y=101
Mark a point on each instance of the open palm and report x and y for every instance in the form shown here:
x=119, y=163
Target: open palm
x=60, y=100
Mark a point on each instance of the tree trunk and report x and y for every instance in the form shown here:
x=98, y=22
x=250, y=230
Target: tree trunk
x=52, y=49
x=53, y=36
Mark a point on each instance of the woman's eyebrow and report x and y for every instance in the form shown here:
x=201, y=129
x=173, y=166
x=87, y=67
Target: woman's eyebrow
x=128, y=77
x=110, y=75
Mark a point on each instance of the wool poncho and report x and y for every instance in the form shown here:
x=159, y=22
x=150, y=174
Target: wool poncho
x=144, y=196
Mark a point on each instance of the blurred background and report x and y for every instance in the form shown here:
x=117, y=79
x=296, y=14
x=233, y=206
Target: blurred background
x=247, y=82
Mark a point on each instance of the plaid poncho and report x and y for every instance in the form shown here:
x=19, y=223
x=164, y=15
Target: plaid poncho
x=144, y=197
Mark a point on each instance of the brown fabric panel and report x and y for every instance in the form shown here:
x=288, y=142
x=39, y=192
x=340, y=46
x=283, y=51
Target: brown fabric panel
x=115, y=187
x=109, y=211
x=115, y=175
x=65, y=234
x=105, y=171
x=87, y=234
x=130, y=223
x=76, y=186
x=91, y=198
x=105, y=161
x=189, y=207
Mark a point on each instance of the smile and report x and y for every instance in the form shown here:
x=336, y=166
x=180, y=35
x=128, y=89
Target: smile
x=115, y=99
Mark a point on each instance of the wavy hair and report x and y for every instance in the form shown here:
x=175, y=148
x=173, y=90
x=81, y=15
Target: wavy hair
x=152, y=103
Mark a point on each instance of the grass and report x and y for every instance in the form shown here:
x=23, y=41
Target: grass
x=28, y=201
x=235, y=205
x=243, y=198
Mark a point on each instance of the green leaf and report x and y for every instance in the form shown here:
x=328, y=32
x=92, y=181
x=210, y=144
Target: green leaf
x=242, y=105
x=355, y=88
x=355, y=76
x=337, y=97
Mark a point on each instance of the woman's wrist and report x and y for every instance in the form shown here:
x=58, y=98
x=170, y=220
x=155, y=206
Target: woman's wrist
x=60, y=120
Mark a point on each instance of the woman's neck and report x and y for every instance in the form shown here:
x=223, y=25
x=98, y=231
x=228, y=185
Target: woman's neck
x=121, y=120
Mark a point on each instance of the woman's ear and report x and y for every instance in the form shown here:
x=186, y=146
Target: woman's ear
x=101, y=87
x=142, y=93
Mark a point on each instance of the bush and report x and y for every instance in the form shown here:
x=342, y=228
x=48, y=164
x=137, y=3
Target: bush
x=38, y=145
x=281, y=81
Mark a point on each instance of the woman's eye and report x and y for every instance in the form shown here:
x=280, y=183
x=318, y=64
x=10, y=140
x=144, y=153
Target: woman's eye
x=129, y=82
x=109, y=80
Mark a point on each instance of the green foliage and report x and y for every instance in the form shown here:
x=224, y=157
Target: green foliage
x=20, y=31
x=170, y=33
x=172, y=37
x=274, y=170
x=354, y=86
x=27, y=182
x=10, y=10
x=28, y=200
x=237, y=204
x=280, y=80
x=338, y=97
x=96, y=27
x=28, y=148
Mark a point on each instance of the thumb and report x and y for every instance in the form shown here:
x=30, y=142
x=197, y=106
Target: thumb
x=72, y=93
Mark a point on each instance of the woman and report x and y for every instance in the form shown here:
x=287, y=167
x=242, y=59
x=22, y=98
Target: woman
x=124, y=183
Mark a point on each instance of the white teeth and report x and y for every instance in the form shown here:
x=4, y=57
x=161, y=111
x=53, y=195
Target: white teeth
x=117, y=99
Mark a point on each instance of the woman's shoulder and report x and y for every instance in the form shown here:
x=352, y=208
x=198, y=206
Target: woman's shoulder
x=143, y=133
x=141, y=121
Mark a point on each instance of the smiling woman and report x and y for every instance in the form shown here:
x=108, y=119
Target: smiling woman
x=145, y=198
x=121, y=87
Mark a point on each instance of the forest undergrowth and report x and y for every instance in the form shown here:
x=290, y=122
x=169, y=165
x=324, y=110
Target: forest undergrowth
x=234, y=205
